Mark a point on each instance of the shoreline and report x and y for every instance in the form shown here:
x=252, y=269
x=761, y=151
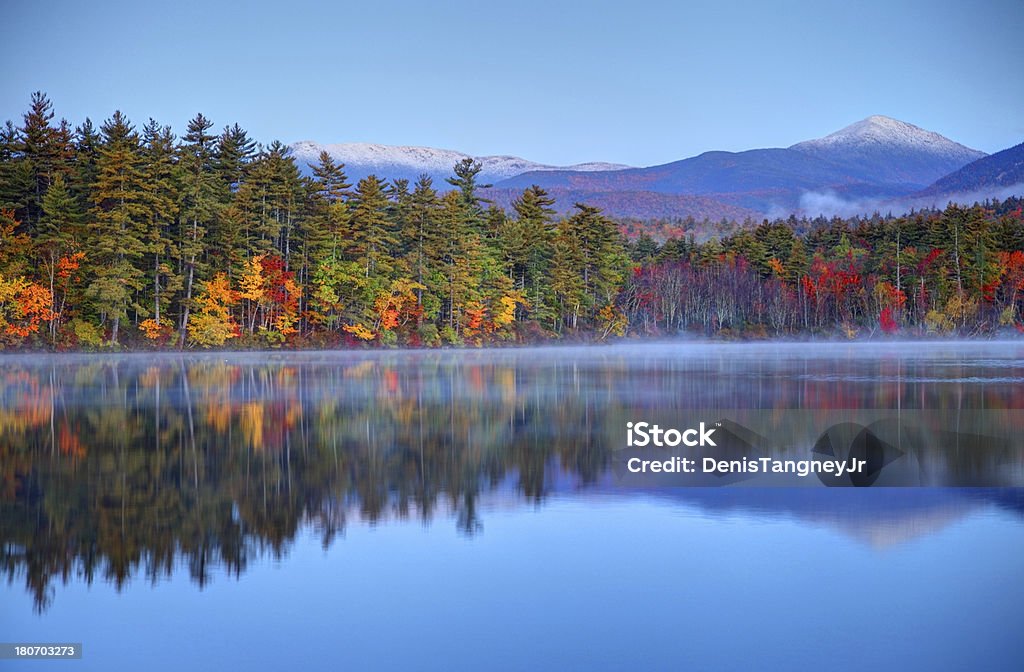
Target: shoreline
x=561, y=345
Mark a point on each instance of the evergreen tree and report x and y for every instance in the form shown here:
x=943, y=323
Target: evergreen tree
x=372, y=236
x=528, y=242
x=199, y=186
x=42, y=154
x=162, y=199
x=59, y=237
x=459, y=263
x=15, y=176
x=422, y=233
x=327, y=225
x=227, y=234
x=118, y=225
x=84, y=171
x=235, y=151
x=589, y=247
x=464, y=180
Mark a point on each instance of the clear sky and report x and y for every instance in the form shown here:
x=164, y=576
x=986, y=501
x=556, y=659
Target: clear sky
x=634, y=81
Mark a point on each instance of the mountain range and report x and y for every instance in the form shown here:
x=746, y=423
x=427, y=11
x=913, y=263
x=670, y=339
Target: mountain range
x=408, y=163
x=876, y=163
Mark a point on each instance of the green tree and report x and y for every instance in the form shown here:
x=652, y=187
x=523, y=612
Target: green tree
x=235, y=151
x=59, y=236
x=423, y=237
x=118, y=226
x=45, y=151
x=589, y=261
x=328, y=224
x=528, y=245
x=465, y=181
x=371, y=232
x=200, y=205
x=162, y=199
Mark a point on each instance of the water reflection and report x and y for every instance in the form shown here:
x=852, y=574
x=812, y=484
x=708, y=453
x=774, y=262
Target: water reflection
x=126, y=467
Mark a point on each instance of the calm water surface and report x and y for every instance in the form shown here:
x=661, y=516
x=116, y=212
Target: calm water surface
x=461, y=510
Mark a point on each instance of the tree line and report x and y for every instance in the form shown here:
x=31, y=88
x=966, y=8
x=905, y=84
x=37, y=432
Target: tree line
x=955, y=271
x=119, y=234
x=125, y=236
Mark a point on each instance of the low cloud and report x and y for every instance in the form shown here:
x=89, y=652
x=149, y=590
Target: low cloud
x=831, y=204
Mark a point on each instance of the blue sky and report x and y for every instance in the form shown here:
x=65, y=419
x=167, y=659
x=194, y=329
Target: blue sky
x=634, y=82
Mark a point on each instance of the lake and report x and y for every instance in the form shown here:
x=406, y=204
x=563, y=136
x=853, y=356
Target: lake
x=474, y=509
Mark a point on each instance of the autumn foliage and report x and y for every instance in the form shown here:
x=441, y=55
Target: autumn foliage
x=121, y=235
x=24, y=306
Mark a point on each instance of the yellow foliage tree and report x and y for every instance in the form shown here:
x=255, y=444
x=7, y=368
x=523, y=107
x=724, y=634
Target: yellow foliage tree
x=213, y=325
x=360, y=332
x=398, y=305
x=613, y=322
x=505, y=311
x=252, y=287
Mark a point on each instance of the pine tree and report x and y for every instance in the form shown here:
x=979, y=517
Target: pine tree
x=327, y=225
x=84, y=172
x=200, y=204
x=464, y=180
x=287, y=193
x=422, y=234
x=235, y=151
x=42, y=154
x=460, y=261
x=118, y=223
x=227, y=234
x=161, y=200
x=588, y=264
x=981, y=267
x=399, y=212
x=372, y=236
x=59, y=237
x=528, y=247
x=15, y=177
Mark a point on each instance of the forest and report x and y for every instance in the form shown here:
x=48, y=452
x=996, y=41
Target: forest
x=132, y=237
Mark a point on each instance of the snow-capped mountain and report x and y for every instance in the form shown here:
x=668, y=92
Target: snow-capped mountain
x=880, y=150
x=875, y=160
x=392, y=161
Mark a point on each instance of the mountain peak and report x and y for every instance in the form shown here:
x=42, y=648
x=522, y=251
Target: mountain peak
x=881, y=130
x=884, y=149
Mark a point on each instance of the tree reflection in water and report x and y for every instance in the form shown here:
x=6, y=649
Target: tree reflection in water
x=123, y=467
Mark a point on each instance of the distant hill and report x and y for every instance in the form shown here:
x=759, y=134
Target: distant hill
x=996, y=171
x=709, y=173
x=397, y=162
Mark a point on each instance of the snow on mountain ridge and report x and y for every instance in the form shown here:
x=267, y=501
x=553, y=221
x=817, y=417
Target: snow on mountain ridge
x=883, y=150
x=429, y=160
x=881, y=130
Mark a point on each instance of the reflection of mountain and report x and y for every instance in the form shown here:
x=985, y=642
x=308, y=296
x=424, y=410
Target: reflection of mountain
x=878, y=517
x=123, y=467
